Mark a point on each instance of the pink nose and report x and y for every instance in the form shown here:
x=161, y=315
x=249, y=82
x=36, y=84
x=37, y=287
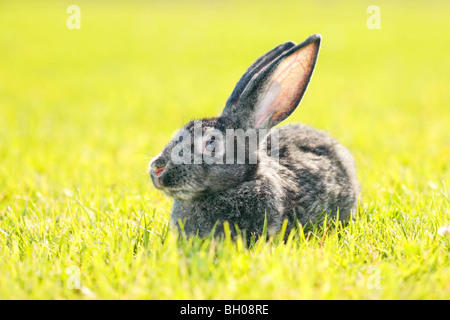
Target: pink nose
x=158, y=171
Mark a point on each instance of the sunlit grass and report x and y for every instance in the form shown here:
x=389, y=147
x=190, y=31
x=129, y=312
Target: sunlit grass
x=83, y=111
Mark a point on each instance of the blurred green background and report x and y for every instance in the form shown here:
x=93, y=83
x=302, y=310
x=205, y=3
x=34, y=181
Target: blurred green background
x=96, y=103
x=83, y=111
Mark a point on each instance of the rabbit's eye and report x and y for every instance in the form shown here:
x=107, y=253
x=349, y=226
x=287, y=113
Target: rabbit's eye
x=211, y=145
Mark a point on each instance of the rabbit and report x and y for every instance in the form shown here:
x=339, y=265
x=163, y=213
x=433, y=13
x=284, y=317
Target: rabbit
x=299, y=177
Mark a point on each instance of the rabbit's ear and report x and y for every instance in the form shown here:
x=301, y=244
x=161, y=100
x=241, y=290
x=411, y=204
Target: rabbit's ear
x=254, y=69
x=275, y=90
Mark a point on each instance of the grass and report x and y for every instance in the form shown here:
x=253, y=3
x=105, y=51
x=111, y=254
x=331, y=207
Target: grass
x=83, y=111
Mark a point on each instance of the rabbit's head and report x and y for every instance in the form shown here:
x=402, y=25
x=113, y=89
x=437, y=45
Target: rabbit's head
x=210, y=155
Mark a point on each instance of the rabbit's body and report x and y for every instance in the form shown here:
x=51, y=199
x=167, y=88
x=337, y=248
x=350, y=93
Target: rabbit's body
x=314, y=175
x=293, y=173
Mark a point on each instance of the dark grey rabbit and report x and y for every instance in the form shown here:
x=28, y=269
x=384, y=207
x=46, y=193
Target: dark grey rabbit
x=299, y=174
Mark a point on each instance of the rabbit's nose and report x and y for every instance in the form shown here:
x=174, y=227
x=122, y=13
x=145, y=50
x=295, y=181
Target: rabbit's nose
x=157, y=165
x=158, y=170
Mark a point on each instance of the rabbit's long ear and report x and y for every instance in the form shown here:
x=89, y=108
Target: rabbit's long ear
x=275, y=89
x=252, y=70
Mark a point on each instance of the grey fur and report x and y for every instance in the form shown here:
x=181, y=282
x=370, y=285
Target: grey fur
x=314, y=173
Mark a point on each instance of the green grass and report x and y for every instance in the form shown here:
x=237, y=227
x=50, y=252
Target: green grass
x=83, y=111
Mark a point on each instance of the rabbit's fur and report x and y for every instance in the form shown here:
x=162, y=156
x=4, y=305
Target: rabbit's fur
x=306, y=174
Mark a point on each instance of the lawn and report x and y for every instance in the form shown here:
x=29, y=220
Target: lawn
x=84, y=110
